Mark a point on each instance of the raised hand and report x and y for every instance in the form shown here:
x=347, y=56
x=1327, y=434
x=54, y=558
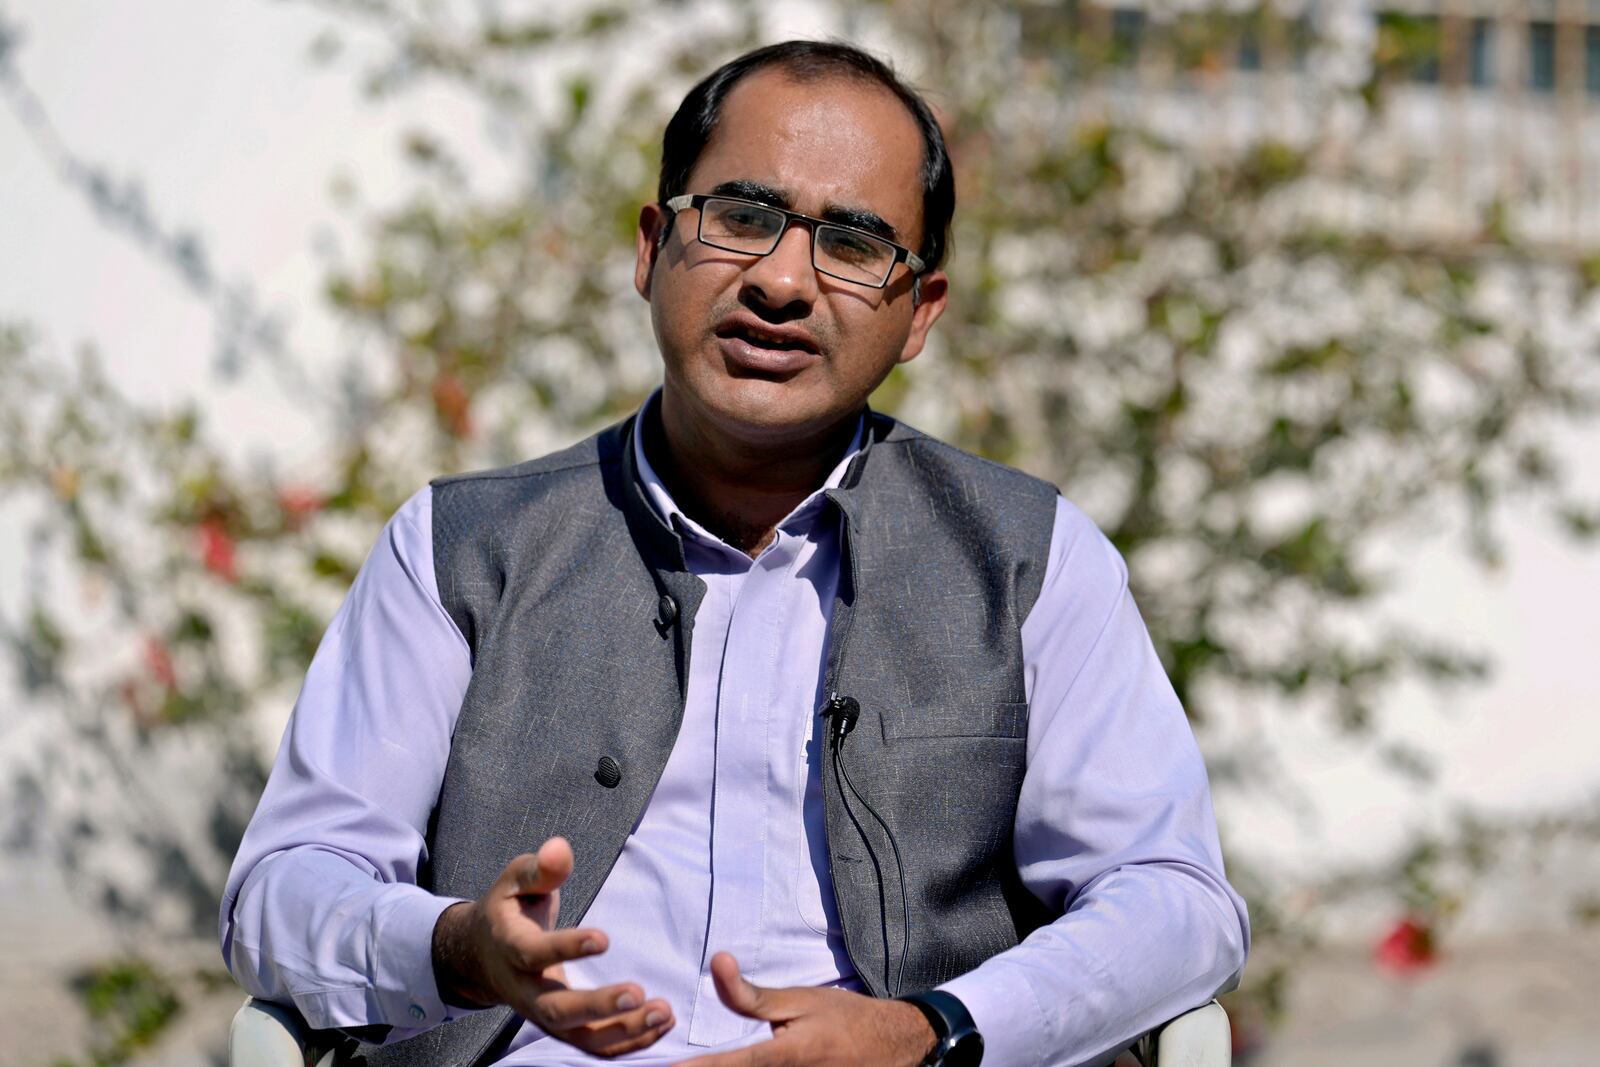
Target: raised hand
x=503, y=948
x=818, y=1027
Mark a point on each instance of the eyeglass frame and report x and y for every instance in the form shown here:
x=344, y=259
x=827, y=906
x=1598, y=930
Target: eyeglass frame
x=902, y=254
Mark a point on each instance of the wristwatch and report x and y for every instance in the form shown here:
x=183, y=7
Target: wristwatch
x=957, y=1042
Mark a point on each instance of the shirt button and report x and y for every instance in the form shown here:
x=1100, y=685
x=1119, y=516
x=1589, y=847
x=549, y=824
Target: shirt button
x=416, y=1011
x=668, y=609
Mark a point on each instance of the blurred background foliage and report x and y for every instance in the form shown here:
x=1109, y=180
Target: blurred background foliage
x=1223, y=345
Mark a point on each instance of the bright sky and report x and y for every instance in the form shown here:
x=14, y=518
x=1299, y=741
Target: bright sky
x=211, y=103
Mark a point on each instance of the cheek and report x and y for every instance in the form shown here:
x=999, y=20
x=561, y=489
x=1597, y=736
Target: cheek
x=685, y=296
x=673, y=307
x=874, y=335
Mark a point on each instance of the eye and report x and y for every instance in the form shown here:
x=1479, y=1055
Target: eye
x=745, y=217
x=743, y=220
x=850, y=247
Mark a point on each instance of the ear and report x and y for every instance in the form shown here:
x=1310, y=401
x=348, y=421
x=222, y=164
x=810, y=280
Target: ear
x=655, y=224
x=934, y=290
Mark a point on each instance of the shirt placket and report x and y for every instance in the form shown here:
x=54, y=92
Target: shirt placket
x=740, y=821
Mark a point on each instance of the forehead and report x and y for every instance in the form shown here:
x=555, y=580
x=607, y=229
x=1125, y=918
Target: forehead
x=831, y=140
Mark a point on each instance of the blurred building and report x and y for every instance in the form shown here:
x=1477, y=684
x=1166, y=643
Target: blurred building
x=1489, y=108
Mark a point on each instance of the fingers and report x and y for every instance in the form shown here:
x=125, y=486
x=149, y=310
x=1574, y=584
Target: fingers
x=606, y=1022
x=612, y=1040
x=732, y=988
x=555, y=866
x=566, y=1009
x=600, y=1021
x=532, y=948
x=532, y=883
x=538, y=873
x=745, y=997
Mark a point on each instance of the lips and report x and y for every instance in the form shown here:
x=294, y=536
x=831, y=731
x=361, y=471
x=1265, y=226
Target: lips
x=765, y=349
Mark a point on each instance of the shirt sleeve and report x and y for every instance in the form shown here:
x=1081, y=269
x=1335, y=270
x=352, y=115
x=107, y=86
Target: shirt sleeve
x=322, y=908
x=1114, y=828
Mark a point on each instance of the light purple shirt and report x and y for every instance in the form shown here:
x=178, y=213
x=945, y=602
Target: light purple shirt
x=1114, y=824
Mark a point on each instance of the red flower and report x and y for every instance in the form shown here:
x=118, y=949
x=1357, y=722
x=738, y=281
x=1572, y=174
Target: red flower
x=1407, y=948
x=298, y=503
x=217, y=550
x=453, y=403
x=158, y=660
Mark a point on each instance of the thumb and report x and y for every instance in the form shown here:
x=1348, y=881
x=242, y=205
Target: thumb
x=537, y=874
x=743, y=996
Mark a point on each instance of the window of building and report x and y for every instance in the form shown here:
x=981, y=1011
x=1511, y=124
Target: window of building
x=1480, y=54
x=1127, y=35
x=1542, y=56
x=1249, y=49
x=1591, y=59
x=1302, y=39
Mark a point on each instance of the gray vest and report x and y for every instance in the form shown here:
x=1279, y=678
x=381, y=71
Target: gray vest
x=573, y=596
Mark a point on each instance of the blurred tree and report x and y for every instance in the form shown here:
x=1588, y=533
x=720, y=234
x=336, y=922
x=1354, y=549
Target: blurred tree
x=1258, y=392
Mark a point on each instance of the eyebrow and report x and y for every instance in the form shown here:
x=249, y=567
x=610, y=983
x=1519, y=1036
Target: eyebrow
x=840, y=214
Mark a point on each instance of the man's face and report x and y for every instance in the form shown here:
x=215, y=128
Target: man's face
x=767, y=350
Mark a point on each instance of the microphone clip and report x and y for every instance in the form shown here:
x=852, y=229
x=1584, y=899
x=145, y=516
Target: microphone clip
x=843, y=713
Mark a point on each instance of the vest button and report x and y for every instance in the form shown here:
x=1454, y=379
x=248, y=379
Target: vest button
x=609, y=773
x=668, y=609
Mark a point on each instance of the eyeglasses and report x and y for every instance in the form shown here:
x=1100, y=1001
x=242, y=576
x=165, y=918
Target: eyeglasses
x=842, y=252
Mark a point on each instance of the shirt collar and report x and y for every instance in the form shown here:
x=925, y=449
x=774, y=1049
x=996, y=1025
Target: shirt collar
x=797, y=521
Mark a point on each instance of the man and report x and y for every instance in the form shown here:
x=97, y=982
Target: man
x=711, y=737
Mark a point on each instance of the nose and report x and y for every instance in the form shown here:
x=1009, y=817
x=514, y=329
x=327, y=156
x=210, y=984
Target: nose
x=785, y=275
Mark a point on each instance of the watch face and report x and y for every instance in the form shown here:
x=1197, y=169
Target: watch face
x=966, y=1051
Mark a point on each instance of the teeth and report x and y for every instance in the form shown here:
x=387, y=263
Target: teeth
x=760, y=335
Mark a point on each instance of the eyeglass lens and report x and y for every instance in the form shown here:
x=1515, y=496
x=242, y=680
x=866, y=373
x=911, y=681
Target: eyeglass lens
x=738, y=226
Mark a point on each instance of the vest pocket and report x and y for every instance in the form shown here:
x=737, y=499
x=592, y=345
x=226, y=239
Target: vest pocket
x=989, y=719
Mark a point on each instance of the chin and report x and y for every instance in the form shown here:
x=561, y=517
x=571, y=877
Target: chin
x=764, y=411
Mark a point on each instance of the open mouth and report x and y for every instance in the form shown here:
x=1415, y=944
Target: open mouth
x=773, y=341
x=753, y=349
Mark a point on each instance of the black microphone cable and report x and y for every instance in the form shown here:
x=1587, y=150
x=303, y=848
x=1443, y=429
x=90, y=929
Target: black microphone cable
x=843, y=712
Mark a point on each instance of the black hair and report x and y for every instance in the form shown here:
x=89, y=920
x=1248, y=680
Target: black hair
x=697, y=116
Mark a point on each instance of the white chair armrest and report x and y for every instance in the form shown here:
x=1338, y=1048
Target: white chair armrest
x=270, y=1035
x=1197, y=1038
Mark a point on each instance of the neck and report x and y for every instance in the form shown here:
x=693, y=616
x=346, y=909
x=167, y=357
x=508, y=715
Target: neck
x=738, y=492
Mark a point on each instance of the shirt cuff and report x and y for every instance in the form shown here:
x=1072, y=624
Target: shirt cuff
x=1006, y=1010
x=403, y=984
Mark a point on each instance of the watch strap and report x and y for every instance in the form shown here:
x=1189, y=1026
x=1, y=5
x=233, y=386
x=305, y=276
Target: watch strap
x=953, y=1028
